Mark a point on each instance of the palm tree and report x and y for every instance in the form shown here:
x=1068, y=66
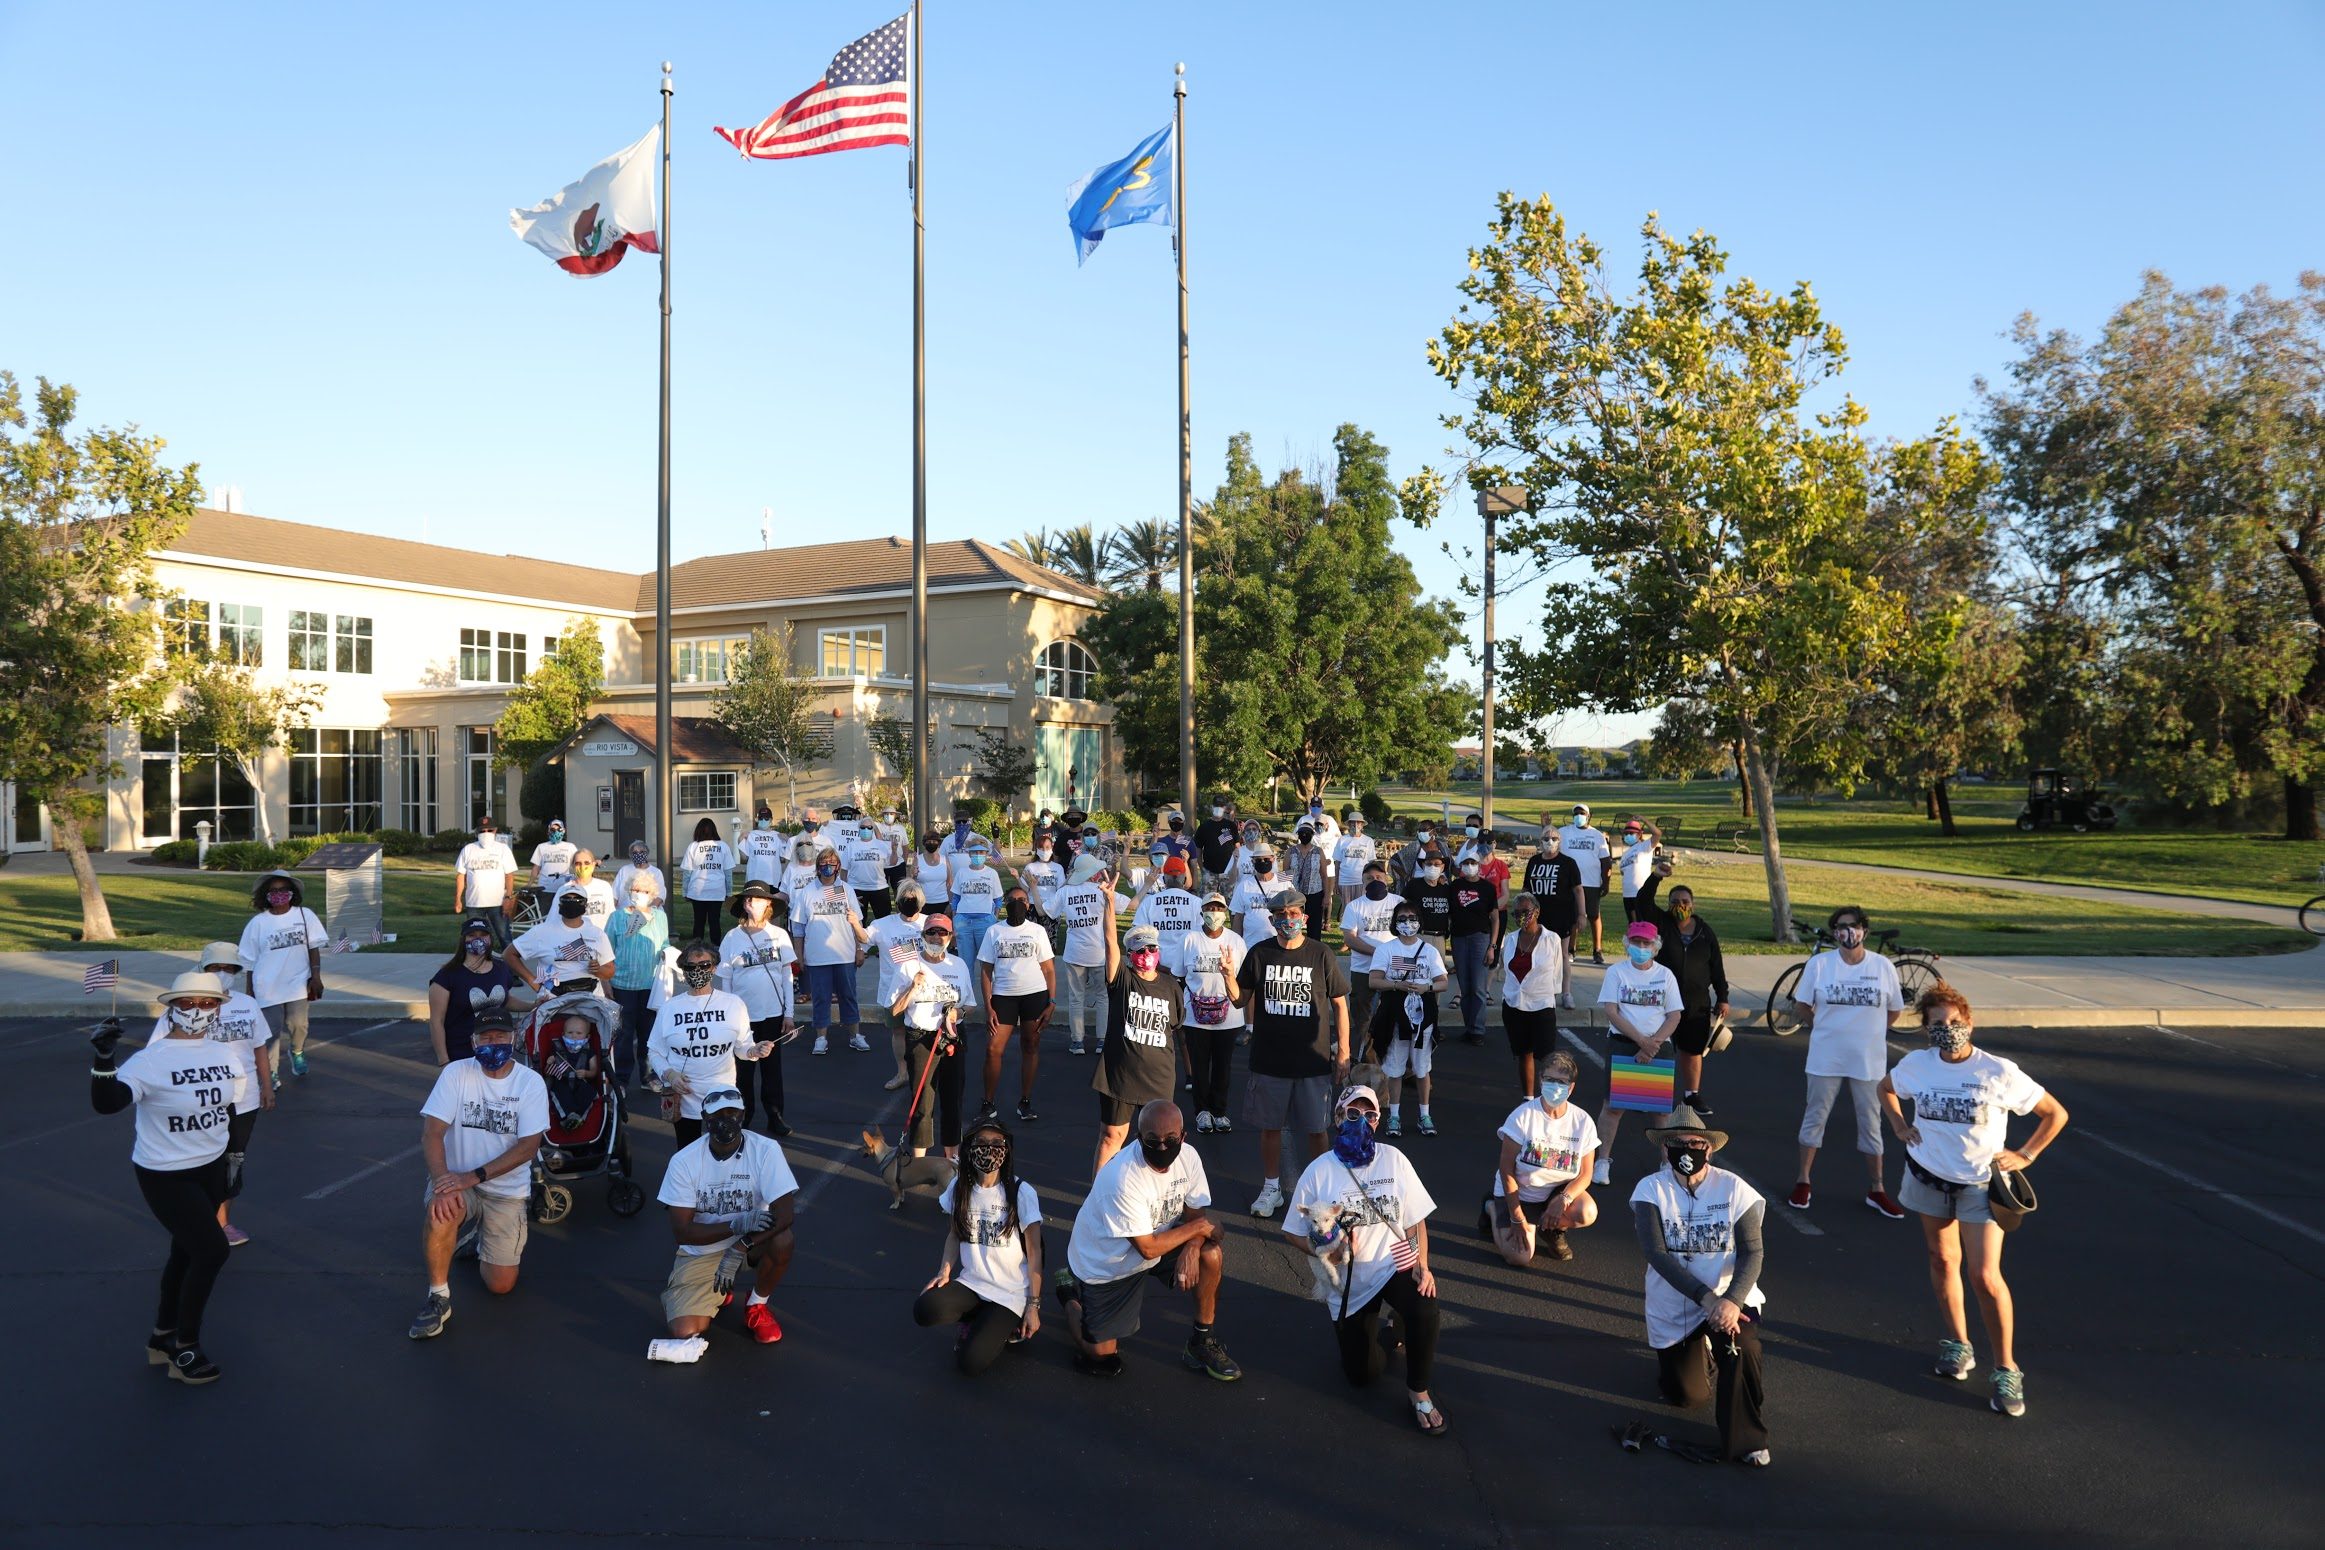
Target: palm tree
x=1143, y=551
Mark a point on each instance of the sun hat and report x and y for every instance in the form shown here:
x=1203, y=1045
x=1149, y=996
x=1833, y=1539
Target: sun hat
x=1684, y=1121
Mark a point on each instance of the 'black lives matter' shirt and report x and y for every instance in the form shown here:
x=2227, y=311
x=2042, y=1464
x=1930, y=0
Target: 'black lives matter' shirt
x=1286, y=992
x=1139, y=1060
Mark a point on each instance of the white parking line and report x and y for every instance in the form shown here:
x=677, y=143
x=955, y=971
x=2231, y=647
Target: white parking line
x=328, y=1190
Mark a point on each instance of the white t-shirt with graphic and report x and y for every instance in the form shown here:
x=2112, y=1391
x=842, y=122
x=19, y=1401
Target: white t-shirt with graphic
x=1699, y=1227
x=1962, y=1109
x=825, y=917
x=1208, y=965
x=935, y=986
x=1084, y=907
x=993, y=1254
x=730, y=1189
x=1637, y=1000
x=1854, y=1003
x=1551, y=1147
x=1380, y=1203
x=186, y=1090
x=274, y=950
x=1015, y=955
x=1589, y=850
x=1130, y=1200
x=485, y=870
x=1173, y=912
x=484, y=1116
x=696, y=1037
x=755, y=965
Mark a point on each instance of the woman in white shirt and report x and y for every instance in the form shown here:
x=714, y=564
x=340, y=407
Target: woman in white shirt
x=988, y=1284
x=1533, y=973
x=706, y=865
x=185, y=1088
x=1955, y=1143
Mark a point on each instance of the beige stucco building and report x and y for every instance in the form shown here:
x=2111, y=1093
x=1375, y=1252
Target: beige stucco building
x=415, y=647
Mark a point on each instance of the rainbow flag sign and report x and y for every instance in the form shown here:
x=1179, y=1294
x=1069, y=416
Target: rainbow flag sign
x=1643, y=1086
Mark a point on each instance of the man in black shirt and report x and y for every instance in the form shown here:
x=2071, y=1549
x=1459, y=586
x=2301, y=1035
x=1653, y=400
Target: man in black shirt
x=1295, y=995
x=1215, y=843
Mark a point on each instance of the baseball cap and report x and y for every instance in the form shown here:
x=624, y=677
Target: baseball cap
x=721, y=1098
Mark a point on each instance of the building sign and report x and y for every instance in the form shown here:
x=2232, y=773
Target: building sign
x=609, y=748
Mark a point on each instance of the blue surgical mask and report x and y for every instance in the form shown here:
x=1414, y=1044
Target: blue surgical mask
x=1640, y=956
x=495, y=1058
x=1555, y=1093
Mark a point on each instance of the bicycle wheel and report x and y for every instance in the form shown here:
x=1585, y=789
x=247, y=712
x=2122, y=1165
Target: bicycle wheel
x=2313, y=916
x=1916, y=972
x=1780, y=1020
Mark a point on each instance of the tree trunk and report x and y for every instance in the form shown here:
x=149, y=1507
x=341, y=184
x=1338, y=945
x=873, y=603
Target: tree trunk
x=1755, y=768
x=1943, y=801
x=2300, y=809
x=1743, y=781
x=65, y=828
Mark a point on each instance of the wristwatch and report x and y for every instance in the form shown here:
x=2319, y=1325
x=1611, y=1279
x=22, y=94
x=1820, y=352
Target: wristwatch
x=480, y=1178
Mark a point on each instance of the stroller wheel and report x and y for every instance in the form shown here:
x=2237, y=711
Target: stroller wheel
x=556, y=1205
x=627, y=1197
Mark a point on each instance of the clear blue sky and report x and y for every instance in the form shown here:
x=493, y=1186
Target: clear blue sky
x=277, y=234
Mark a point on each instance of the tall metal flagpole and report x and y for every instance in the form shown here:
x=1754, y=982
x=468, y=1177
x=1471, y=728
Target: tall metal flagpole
x=921, y=817
x=665, y=751
x=1186, y=456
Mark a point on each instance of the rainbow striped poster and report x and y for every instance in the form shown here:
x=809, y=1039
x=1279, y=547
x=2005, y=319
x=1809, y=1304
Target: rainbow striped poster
x=1643, y=1086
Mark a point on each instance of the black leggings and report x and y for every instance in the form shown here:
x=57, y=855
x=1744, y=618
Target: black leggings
x=1700, y=1368
x=991, y=1326
x=706, y=920
x=186, y=1201
x=767, y=1074
x=1361, y=1357
x=937, y=1121
x=1210, y=1056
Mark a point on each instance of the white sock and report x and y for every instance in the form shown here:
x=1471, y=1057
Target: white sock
x=757, y=1300
x=440, y=1290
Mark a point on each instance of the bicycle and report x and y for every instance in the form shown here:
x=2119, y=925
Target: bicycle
x=1917, y=970
x=2313, y=912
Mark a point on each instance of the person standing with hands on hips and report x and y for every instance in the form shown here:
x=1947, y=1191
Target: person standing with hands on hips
x=1295, y=995
x=479, y=1132
x=282, y=947
x=1641, y=1002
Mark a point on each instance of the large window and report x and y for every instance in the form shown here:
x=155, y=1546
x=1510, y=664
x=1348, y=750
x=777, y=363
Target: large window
x=476, y=773
x=711, y=791
x=492, y=656
x=1065, y=671
x=416, y=779
x=855, y=651
x=334, y=780
x=350, y=643
x=242, y=633
x=184, y=787
x=705, y=661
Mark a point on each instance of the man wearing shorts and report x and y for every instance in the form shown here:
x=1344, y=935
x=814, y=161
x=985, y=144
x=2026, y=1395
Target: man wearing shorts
x=1019, y=978
x=1144, y=1220
x=730, y=1192
x=1295, y=995
x=479, y=1129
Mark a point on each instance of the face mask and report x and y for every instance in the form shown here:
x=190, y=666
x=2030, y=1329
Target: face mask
x=826, y=871
x=1214, y=920
x=495, y=1058
x=1408, y=929
x=1145, y=959
x=1849, y=936
x=987, y=1159
x=1161, y=1154
x=476, y=946
x=280, y=898
x=1376, y=889
x=1640, y=956
x=933, y=948
x=1687, y=1161
x=726, y=1129
x=193, y=1019
x=1555, y=1093
x=574, y=1043
x=697, y=974
x=1218, y=812
x=1949, y=1038
x=1014, y=909
x=1352, y=1143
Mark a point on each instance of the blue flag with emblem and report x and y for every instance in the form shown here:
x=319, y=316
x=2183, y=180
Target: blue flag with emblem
x=1133, y=191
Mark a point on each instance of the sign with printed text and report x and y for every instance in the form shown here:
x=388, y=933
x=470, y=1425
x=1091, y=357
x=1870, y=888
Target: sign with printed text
x=609, y=748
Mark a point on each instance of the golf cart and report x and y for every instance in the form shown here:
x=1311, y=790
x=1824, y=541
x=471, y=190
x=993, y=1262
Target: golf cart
x=2055, y=798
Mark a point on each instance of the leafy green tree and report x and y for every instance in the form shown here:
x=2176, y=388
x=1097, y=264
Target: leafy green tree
x=1715, y=527
x=222, y=704
x=2170, y=478
x=80, y=518
x=767, y=706
x=553, y=702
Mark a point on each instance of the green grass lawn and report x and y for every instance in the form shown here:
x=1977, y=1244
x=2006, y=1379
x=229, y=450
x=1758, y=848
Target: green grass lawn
x=171, y=909
x=2253, y=868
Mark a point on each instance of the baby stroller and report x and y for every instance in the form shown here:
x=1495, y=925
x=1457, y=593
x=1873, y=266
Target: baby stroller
x=588, y=1124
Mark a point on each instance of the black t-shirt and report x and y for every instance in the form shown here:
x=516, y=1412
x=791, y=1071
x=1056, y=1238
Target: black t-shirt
x=1215, y=838
x=1435, y=902
x=466, y=994
x=1473, y=904
x=1137, y=1063
x=1285, y=991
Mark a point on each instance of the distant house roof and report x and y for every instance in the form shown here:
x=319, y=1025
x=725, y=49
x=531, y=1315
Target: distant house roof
x=860, y=565
x=700, y=739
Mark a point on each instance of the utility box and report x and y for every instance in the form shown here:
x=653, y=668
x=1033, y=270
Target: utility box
x=354, y=892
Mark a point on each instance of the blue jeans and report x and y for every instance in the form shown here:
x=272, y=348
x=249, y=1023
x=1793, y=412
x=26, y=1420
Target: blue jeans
x=1469, y=959
x=968, y=936
x=830, y=983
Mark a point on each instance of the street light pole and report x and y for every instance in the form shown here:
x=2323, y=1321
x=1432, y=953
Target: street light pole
x=1492, y=503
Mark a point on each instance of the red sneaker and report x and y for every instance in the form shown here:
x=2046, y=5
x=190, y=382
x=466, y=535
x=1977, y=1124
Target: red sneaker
x=1879, y=1200
x=759, y=1319
x=1798, y=1199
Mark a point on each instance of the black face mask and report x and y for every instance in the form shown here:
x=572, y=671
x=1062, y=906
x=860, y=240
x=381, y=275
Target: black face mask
x=1376, y=890
x=1687, y=1161
x=697, y=974
x=987, y=1159
x=1015, y=910
x=1161, y=1154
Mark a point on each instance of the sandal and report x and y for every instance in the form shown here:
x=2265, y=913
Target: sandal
x=1428, y=1418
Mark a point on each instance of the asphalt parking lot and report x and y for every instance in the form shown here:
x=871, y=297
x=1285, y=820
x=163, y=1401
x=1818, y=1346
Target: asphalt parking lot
x=2167, y=1290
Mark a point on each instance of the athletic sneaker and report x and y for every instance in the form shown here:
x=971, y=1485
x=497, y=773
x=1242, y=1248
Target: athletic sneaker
x=858, y=1043
x=435, y=1313
x=2009, y=1392
x=1270, y=1201
x=1203, y=1122
x=759, y=1319
x=1396, y=1127
x=1025, y=1114
x=1878, y=1200
x=189, y=1365
x=823, y=1046
x=298, y=1068
x=1602, y=1173
x=235, y=1236
x=1800, y=1197
x=1758, y=1458
x=1205, y=1354
x=1956, y=1360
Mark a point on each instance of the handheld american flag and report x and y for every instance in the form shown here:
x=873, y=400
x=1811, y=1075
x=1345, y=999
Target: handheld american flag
x=100, y=976
x=864, y=99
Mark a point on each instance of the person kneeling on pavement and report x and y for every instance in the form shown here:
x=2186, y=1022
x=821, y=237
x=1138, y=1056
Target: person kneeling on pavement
x=1144, y=1219
x=1541, y=1190
x=730, y=1193
x=479, y=1130
x=1699, y=1227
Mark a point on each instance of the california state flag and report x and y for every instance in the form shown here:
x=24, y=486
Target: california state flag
x=586, y=225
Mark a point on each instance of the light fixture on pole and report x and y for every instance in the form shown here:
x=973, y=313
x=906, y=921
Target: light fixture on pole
x=1494, y=501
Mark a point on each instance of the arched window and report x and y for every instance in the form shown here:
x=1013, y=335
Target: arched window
x=1065, y=671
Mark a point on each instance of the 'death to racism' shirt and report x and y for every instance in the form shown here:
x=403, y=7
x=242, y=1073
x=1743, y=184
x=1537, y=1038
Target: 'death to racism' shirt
x=1287, y=993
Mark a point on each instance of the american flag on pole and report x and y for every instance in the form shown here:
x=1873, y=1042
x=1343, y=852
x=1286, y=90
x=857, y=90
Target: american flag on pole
x=864, y=99
x=100, y=976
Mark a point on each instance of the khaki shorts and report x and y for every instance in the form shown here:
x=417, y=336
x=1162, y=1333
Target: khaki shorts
x=689, y=1293
x=503, y=1223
